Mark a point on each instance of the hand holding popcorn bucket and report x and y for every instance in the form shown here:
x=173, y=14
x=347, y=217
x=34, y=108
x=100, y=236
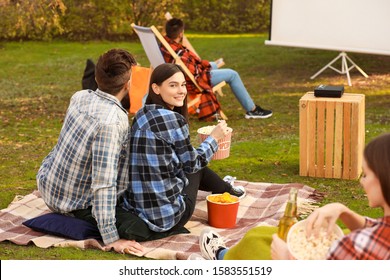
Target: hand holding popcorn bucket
x=223, y=144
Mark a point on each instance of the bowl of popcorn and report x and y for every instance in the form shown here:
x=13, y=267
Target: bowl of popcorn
x=222, y=210
x=223, y=144
x=314, y=247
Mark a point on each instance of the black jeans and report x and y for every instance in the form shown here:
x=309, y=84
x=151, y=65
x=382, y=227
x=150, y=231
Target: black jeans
x=205, y=180
x=129, y=225
x=132, y=227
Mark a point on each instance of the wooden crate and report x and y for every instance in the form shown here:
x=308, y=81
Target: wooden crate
x=331, y=136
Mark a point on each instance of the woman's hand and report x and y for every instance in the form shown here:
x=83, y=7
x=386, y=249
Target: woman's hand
x=324, y=217
x=124, y=246
x=220, y=130
x=279, y=250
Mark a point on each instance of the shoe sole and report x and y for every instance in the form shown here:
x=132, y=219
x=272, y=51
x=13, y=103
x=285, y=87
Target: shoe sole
x=258, y=117
x=243, y=189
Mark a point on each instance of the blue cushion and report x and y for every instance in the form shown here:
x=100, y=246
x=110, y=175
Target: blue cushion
x=64, y=226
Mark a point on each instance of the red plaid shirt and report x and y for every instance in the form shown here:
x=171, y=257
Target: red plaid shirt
x=370, y=243
x=209, y=104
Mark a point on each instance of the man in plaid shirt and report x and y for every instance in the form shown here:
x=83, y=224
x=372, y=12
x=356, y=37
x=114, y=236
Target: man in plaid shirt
x=87, y=168
x=208, y=75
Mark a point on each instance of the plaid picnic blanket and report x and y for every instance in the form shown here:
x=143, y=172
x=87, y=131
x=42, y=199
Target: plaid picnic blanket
x=263, y=206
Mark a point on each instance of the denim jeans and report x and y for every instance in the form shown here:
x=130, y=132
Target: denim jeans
x=233, y=79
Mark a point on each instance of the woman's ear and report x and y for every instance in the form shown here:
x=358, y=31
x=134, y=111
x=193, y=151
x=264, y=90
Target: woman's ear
x=156, y=88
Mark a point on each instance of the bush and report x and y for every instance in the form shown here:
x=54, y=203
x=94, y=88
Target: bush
x=111, y=19
x=228, y=16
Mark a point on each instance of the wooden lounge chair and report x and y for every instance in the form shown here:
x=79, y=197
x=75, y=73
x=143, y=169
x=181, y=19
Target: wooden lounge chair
x=150, y=39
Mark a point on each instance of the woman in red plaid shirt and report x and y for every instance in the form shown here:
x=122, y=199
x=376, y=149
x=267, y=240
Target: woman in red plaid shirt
x=369, y=238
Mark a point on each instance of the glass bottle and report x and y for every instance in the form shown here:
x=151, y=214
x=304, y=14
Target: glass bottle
x=290, y=214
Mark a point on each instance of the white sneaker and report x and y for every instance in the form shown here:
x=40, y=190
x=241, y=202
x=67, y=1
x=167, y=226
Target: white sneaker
x=210, y=242
x=196, y=257
x=238, y=191
x=229, y=179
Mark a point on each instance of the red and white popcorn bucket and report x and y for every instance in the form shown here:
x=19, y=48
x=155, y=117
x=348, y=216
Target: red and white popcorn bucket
x=223, y=144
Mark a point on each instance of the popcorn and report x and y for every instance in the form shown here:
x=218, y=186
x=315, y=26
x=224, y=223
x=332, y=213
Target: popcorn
x=206, y=129
x=312, y=248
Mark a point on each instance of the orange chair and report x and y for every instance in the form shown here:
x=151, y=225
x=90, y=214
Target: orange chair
x=139, y=83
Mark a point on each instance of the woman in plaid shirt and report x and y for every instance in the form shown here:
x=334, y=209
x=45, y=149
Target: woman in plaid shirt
x=369, y=238
x=166, y=171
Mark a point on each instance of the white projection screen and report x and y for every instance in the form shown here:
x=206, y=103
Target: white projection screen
x=361, y=26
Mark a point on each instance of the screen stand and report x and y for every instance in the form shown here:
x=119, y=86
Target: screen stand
x=344, y=67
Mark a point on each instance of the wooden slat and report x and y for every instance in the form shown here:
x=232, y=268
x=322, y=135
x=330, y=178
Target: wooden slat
x=311, y=137
x=347, y=141
x=338, y=141
x=330, y=107
x=320, y=170
x=362, y=138
x=303, y=168
x=355, y=148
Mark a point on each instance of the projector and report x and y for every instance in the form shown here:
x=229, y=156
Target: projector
x=328, y=91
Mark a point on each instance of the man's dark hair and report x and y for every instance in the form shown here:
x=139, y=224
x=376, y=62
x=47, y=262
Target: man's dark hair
x=173, y=28
x=113, y=70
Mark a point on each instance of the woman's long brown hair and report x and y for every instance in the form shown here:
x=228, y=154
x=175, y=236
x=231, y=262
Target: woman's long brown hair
x=377, y=156
x=160, y=74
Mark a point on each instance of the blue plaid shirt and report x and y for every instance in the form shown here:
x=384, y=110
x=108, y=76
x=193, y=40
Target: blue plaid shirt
x=84, y=167
x=161, y=154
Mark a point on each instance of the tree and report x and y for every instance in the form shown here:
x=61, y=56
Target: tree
x=111, y=19
x=31, y=19
x=227, y=16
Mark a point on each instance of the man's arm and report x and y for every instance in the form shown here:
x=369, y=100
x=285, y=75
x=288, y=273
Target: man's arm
x=105, y=159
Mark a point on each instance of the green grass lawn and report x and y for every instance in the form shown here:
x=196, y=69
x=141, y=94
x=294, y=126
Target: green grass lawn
x=37, y=80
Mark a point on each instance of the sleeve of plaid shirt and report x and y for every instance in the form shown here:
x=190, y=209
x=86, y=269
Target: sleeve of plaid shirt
x=176, y=127
x=105, y=152
x=367, y=243
x=194, y=159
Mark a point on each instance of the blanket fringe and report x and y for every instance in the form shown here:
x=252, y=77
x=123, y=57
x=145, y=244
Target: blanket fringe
x=17, y=198
x=317, y=196
x=306, y=207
